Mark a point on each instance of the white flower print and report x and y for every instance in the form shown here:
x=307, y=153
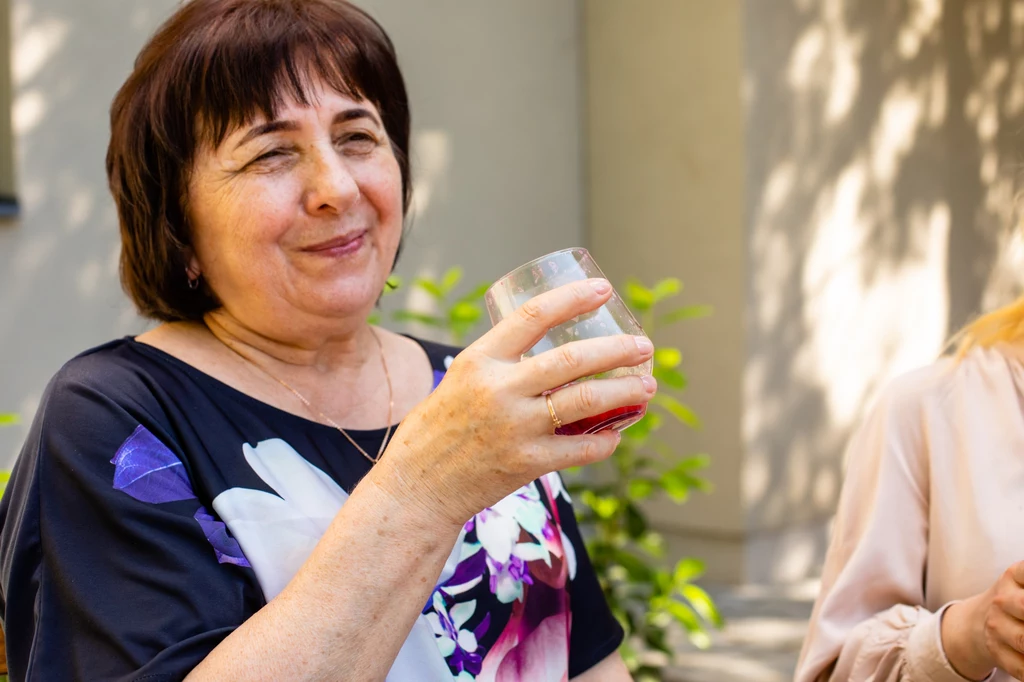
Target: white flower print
x=278, y=531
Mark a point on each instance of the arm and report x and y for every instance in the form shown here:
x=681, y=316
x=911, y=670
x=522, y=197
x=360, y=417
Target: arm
x=484, y=432
x=354, y=601
x=869, y=622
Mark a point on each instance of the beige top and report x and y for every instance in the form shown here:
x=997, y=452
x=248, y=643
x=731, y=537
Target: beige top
x=932, y=511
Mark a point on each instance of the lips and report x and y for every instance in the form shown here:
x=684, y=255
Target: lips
x=343, y=243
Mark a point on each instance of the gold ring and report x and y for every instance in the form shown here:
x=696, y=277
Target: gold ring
x=551, y=410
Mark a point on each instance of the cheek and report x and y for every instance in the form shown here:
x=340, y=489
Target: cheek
x=383, y=187
x=238, y=225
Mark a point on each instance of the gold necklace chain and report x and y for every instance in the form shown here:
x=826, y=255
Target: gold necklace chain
x=309, y=405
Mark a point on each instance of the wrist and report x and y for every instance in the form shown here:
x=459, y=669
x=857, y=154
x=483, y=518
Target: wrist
x=414, y=502
x=963, y=640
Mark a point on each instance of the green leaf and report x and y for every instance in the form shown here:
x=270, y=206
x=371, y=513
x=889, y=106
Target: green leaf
x=670, y=378
x=636, y=567
x=669, y=358
x=5, y=476
x=686, y=570
x=684, y=615
x=670, y=286
x=678, y=483
x=657, y=640
x=422, y=318
x=702, y=603
x=450, y=279
x=694, y=462
x=639, y=297
x=640, y=488
x=431, y=287
x=9, y=419
x=678, y=410
x=393, y=282
x=636, y=524
x=689, y=312
x=477, y=293
x=465, y=313
x=604, y=507
x=652, y=543
x=639, y=432
x=374, y=318
x=676, y=487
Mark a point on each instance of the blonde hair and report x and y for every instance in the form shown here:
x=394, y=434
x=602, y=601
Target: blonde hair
x=1003, y=325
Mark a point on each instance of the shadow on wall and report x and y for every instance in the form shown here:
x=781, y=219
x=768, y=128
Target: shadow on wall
x=58, y=262
x=883, y=146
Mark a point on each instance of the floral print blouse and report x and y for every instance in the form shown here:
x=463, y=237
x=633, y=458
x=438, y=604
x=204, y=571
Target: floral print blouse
x=154, y=509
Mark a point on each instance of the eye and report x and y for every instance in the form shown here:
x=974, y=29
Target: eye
x=268, y=155
x=358, y=143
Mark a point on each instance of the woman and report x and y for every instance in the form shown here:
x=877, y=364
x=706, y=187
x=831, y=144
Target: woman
x=923, y=580
x=224, y=497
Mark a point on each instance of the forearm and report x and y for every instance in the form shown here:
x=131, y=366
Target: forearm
x=350, y=607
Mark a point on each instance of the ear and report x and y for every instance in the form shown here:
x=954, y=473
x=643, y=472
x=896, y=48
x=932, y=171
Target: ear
x=192, y=264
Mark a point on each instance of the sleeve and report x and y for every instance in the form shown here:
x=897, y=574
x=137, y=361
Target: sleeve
x=595, y=633
x=110, y=569
x=868, y=622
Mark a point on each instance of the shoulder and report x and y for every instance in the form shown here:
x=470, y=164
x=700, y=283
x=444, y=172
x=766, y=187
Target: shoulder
x=936, y=406
x=982, y=375
x=115, y=370
x=102, y=394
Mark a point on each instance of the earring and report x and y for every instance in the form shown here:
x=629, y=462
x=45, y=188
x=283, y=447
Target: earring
x=193, y=282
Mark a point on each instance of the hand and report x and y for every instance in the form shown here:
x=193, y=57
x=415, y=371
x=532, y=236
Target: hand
x=486, y=431
x=987, y=630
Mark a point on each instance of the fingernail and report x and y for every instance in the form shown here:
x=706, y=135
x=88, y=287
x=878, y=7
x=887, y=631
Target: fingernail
x=650, y=383
x=601, y=286
x=643, y=344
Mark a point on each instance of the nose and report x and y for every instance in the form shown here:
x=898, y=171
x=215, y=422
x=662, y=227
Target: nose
x=330, y=186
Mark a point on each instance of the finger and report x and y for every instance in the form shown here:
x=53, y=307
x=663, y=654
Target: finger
x=1011, y=602
x=1016, y=572
x=597, y=396
x=1009, y=659
x=518, y=333
x=555, y=453
x=559, y=366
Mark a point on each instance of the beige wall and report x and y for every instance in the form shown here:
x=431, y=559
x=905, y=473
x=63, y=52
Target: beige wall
x=665, y=177
x=6, y=140
x=495, y=101
x=836, y=177
x=883, y=148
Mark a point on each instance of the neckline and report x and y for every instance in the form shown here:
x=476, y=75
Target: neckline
x=199, y=374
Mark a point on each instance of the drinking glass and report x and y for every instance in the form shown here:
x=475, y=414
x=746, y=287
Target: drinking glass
x=554, y=270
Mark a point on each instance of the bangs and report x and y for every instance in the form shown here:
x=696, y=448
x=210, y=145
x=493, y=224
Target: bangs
x=249, y=61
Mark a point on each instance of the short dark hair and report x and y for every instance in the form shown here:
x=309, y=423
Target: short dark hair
x=215, y=65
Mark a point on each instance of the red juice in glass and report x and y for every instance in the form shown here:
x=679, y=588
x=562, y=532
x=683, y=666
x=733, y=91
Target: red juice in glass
x=549, y=272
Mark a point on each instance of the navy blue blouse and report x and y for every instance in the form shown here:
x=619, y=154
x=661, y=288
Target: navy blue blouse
x=154, y=509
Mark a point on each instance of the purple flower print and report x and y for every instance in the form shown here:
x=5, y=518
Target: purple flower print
x=508, y=578
x=225, y=546
x=147, y=470
x=460, y=647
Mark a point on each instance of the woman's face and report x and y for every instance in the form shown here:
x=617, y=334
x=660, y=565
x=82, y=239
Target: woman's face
x=296, y=221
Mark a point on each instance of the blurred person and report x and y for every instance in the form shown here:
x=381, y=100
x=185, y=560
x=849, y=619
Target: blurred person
x=923, y=580
x=265, y=486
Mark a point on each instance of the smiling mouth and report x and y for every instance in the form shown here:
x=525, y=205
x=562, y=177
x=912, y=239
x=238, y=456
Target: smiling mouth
x=342, y=244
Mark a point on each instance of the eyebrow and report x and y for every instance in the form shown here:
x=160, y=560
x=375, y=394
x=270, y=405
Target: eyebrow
x=277, y=126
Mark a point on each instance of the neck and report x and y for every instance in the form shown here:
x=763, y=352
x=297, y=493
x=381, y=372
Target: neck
x=347, y=350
